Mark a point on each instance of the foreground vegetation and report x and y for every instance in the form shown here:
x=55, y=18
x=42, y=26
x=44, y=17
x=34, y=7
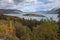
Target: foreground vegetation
x=14, y=28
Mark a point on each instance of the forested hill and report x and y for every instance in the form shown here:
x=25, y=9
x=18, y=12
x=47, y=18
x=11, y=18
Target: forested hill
x=14, y=28
x=10, y=11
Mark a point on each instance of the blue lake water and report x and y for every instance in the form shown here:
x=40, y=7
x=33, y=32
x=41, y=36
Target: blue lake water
x=54, y=16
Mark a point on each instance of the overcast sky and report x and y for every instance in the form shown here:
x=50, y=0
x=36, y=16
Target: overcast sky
x=30, y=5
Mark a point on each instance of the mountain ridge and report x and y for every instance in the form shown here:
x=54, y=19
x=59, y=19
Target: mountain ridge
x=54, y=11
x=10, y=11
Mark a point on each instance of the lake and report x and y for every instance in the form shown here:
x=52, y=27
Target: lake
x=54, y=16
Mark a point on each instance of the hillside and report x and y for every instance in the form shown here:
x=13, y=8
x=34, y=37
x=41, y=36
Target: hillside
x=14, y=28
x=10, y=11
x=54, y=11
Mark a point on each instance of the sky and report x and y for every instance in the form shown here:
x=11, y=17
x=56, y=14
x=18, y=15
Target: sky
x=30, y=5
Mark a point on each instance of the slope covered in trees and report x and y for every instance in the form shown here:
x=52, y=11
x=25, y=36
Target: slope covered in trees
x=14, y=28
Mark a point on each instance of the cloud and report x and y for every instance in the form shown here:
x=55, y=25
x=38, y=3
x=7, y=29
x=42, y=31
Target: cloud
x=30, y=5
x=18, y=1
x=33, y=6
x=39, y=5
x=5, y=4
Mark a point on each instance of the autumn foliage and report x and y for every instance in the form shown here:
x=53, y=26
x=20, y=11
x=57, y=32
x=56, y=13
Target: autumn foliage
x=15, y=28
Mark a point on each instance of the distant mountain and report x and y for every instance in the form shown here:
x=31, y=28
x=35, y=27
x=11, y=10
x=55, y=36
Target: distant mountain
x=54, y=11
x=10, y=11
x=41, y=11
x=37, y=12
